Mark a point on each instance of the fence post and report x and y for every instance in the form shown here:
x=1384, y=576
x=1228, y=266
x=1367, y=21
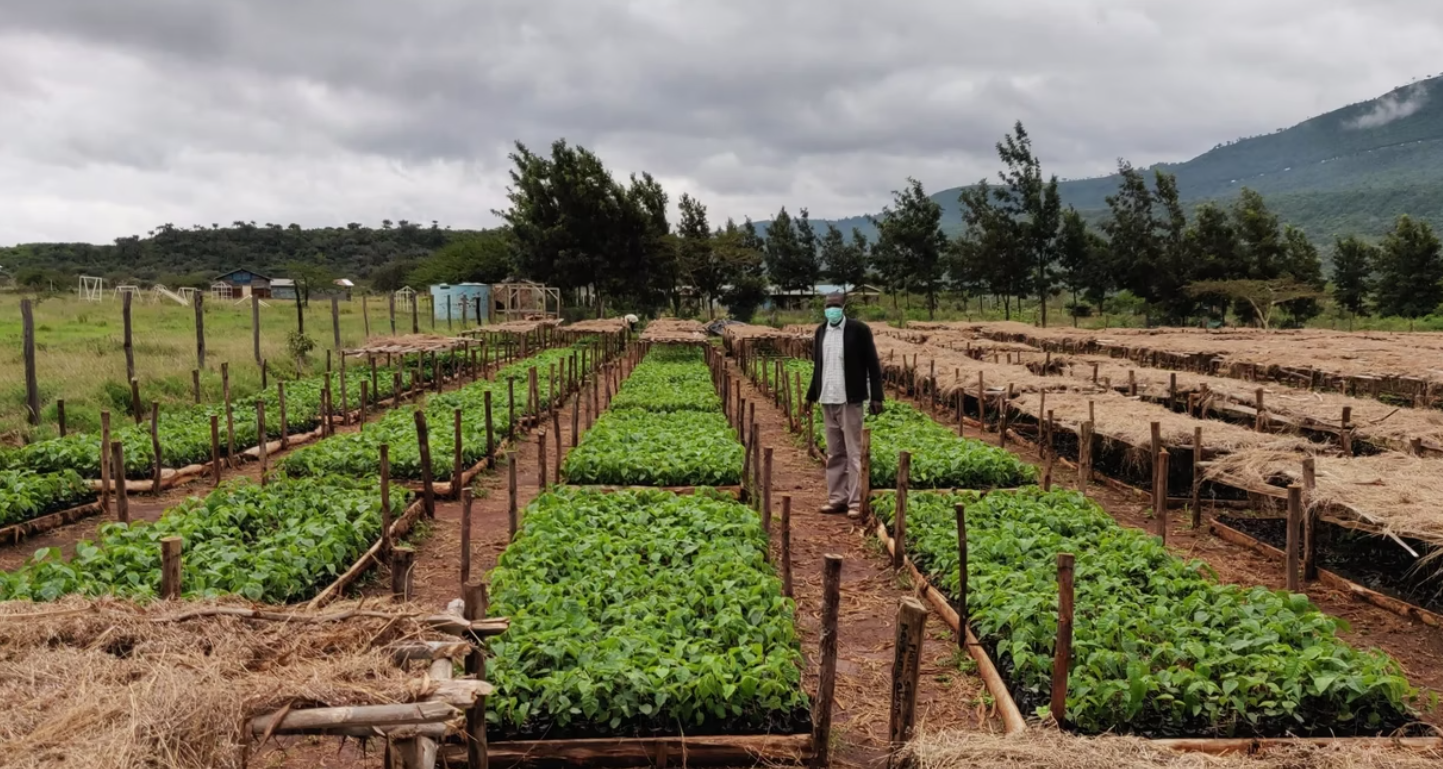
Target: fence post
x=827, y=672
x=906, y=670
x=1062, y=651
x=170, y=566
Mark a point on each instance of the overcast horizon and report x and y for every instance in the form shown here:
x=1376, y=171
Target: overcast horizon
x=120, y=115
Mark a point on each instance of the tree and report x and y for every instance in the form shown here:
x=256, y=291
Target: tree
x=1353, y=262
x=1410, y=270
x=1262, y=296
x=483, y=257
x=912, y=228
x=309, y=276
x=807, y=268
x=700, y=266
x=741, y=250
x=1034, y=207
x=785, y=260
x=845, y=262
x=985, y=257
x=1300, y=263
x=1078, y=255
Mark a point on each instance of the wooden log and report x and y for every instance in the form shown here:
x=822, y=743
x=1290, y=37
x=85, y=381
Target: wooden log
x=423, y=439
x=906, y=671
x=963, y=614
x=899, y=523
x=312, y=719
x=511, y=509
x=402, y=559
x=1062, y=650
x=827, y=668
x=170, y=568
x=158, y=465
x=1295, y=520
x=385, y=462
x=122, y=490
x=720, y=750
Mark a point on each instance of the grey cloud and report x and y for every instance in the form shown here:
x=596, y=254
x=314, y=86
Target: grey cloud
x=753, y=104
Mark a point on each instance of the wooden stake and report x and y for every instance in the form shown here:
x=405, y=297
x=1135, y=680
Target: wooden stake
x=1259, y=418
x=159, y=463
x=906, y=670
x=511, y=400
x=1159, y=495
x=200, y=330
x=195, y=385
x=366, y=314
x=556, y=439
x=490, y=435
x=963, y=615
x=402, y=558
x=285, y=426
x=1197, y=478
x=466, y=501
x=899, y=524
x=511, y=509
x=385, y=498
x=866, y=480
x=229, y=415
x=261, y=440
x=1310, y=520
x=365, y=393
x=827, y=669
x=575, y=419
x=767, y=490
x=170, y=567
x=135, y=408
x=129, y=346
x=1131, y=383
x=1295, y=520
x=60, y=415
x=981, y=402
x=105, y=462
x=457, y=470
x=1062, y=650
x=122, y=491
x=787, y=545
x=423, y=438
x=215, y=449
x=1345, y=436
x=474, y=608
x=541, y=459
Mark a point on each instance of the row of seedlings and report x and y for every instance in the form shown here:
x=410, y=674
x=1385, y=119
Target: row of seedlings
x=645, y=615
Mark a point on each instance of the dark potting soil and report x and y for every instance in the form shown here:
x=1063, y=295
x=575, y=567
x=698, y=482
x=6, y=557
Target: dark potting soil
x=1372, y=561
x=797, y=722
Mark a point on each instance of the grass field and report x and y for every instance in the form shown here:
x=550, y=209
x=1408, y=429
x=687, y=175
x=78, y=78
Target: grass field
x=80, y=355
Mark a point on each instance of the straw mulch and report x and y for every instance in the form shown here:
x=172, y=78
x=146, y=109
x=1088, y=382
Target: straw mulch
x=523, y=326
x=956, y=370
x=951, y=336
x=407, y=343
x=598, y=326
x=749, y=331
x=1129, y=420
x=1397, y=493
x=674, y=331
x=1048, y=749
x=105, y=684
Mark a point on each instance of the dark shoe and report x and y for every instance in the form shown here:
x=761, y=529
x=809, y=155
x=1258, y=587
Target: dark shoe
x=832, y=509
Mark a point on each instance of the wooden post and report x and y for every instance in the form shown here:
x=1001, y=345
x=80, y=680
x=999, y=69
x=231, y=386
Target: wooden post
x=365, y=394
x=474, y=608
x=767, y=490
x=402, y=558
x=1172, y=390
x=1310, y=520
x=385, y=498
x=135, y=408
x=415, y=316
x=229, y=415
x=457, y=470
x=1159, y=494
x=827, y=669
x=1345, y=435
x=200, y=330
x=128, y=344
x=1049, y=452
x=423, y=438
x=105, y=462
x=60, y=415
x=490, y=435
x=1131, y=383
x=556, y=439
x=981, y=402
x=575, y=419
x=899, y=524
x=255, y=327
x=1062, y=650
x=285, y=426
x=511, y=491
x=159, y=462
x=1259, y=417
x=466, y=502
x=391, y=310
x=170, y=567
x=366, y=314
x=963, y=616
x=1197, y=476
x=195, y=385
x=533, y=391
x=261, y=440
x=1295, y=520
x=122, y=491
x=866, y=480
x=1084, y=456
x=541, y=459
x=345, y=394
x=906, y=670
x=511, y=400
x=961, y=417
x=215, y=449
x=786, y=537
x=335, y=322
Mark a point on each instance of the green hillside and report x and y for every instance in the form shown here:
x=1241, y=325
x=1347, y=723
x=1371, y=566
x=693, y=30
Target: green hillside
x=1350, y=171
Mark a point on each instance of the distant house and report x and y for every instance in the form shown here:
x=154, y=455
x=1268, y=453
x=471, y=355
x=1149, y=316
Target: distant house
x=450, y=300
x=283, y=288
x=797, y=299
x=244, y=283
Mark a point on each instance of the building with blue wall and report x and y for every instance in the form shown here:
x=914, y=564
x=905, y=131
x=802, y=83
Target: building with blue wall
x=454, y=295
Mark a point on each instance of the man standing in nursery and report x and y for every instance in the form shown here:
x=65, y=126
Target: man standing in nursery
x=845, y=373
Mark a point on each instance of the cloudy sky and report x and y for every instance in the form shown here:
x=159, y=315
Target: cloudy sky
x=117, y=115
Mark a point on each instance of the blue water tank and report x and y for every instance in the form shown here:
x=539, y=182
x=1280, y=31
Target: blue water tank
x=450, y=297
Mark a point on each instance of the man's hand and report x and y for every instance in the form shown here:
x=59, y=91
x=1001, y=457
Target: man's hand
x=876, y=408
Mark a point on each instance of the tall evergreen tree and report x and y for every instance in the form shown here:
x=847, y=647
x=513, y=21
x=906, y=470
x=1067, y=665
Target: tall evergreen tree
x=1035, y=209
x=912, y=227
x=1410, y=270
x=784, y=259
x=806, y=270
x=1353, y=261
x=1075, y=257
x=700, y=265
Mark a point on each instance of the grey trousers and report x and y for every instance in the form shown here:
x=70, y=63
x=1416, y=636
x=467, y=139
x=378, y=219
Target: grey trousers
x=844, y=454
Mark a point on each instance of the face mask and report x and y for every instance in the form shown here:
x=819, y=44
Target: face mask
x=834, y=315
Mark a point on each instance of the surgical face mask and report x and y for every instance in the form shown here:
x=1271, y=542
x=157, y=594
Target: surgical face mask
x=834, y=315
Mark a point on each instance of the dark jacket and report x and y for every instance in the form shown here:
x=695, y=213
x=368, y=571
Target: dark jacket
x=860, y=365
